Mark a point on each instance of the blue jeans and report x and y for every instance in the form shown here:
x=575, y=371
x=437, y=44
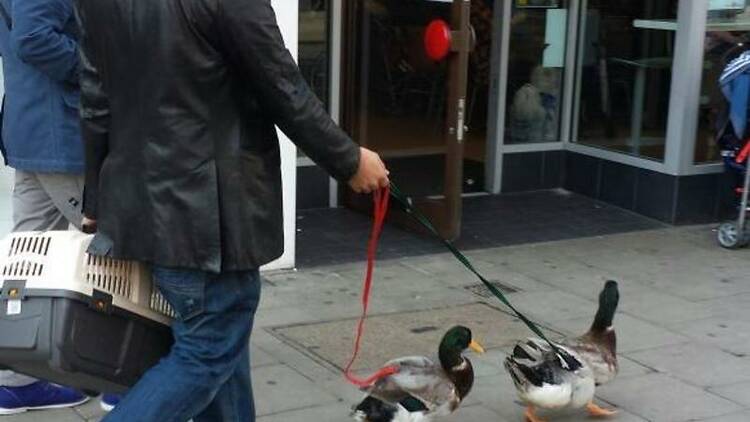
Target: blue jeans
x=206, y=376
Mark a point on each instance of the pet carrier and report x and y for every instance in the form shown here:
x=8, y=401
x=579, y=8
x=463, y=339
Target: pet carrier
x=76, y=319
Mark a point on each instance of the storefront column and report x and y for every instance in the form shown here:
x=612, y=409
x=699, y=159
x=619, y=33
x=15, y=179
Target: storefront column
x=287, y=12
x=686, y=86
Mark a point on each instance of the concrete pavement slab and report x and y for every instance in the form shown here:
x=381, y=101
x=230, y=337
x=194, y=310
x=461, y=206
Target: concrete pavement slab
x=738, y=393
x=259, y=358
x=722, y=331
x=402, y=334
x=279, y=388
x=91, y=409
x=333, y=412
x=660, y=398
x=61, y=415
x=696, y=364
x=666, y=309
x=733, y=417
x=630, y=368
x=633, y=334
x=552, y=305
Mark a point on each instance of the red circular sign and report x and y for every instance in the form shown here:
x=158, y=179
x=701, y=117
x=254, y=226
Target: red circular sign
x=437, y=40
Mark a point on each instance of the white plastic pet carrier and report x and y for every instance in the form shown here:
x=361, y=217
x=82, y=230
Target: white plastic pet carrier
x=92, y=322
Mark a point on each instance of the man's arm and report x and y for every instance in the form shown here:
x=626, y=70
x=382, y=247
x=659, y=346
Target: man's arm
x=95, y=119
x=251, y=39
x=38, y=39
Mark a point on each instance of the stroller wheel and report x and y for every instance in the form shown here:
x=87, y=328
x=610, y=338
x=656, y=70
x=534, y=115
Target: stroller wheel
x=731, y=237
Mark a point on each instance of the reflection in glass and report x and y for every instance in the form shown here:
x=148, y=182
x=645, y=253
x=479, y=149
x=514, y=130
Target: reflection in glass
x=624, y=75
x=314, y=46
x=394, y=98
x=535, y=71
x=726, y=38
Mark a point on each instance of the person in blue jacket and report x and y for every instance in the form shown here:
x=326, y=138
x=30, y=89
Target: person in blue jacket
x=41, y=141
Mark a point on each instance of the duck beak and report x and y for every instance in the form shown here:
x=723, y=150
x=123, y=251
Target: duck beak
x=476, y=347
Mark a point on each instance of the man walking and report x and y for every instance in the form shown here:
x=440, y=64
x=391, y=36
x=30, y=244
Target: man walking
x=179, y=102
x=41, y=141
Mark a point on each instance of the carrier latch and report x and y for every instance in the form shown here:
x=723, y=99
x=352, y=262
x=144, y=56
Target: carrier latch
x=13, y=290
x=13, y=293
x=101, y=302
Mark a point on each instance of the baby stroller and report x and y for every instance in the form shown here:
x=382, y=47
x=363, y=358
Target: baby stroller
x=734, y=143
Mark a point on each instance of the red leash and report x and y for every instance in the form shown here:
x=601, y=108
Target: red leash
x=380, y=199
x=742, y=156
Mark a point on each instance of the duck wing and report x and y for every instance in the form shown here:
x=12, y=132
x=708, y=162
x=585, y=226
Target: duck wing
x=535, y=362
x=603, y=361
x=545, y=377
x=419, y=380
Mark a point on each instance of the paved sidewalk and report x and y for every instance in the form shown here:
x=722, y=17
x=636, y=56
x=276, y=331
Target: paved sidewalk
x=683, y=326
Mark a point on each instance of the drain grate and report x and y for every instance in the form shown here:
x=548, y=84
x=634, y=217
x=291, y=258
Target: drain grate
x=482, y=291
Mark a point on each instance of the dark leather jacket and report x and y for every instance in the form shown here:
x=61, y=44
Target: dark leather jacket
x=179, y=99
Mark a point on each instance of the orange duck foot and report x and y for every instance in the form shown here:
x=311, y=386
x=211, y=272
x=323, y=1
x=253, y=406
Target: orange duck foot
x=599, y=412
x=531, y=415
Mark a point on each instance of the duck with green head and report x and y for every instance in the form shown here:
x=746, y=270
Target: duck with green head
x=422, y=388
x=547, y=380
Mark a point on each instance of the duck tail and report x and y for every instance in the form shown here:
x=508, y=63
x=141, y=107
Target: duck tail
x=403, y=415
x=528, y=364
x=374, y=410
x=516, y=373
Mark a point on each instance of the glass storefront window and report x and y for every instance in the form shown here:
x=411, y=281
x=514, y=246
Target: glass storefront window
x=624, y=74
x=314, y=46
x=727, y=37
x=536, y=70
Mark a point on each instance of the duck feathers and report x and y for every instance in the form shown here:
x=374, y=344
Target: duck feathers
x=548, y=379
x=419, y=379
x=375, y=410
x=598, y=355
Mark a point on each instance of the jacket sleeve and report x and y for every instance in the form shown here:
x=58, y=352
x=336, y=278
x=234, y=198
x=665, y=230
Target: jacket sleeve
x=38, y=37
x=95, y=118
x=252, y=41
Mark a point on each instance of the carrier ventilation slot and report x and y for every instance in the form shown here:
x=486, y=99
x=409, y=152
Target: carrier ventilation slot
x=110, y=275
x=160, y=305
x=34, y=245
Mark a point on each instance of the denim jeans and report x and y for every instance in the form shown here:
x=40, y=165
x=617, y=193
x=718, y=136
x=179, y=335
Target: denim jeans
x=206, y=376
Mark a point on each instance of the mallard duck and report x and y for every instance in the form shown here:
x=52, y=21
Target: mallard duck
x=421, y=388
x=569, y=379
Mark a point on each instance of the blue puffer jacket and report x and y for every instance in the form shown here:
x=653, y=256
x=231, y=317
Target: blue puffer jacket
x=40, y=64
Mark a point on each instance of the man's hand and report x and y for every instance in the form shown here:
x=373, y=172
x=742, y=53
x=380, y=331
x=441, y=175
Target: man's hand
x=88, y=225
x=371, y=175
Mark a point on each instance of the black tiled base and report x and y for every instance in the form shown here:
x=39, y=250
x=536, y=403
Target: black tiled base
x=331, y=236
x=670, y=199
x=529, y=171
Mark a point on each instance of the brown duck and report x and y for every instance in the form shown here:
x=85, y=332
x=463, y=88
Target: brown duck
x=545, y=380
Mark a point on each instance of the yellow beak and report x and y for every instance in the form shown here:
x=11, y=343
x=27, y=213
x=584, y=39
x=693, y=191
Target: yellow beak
x=476, y=347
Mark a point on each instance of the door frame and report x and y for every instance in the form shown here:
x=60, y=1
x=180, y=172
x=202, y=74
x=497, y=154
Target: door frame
x=287, y=12
x=445, y=210
x=497, y=148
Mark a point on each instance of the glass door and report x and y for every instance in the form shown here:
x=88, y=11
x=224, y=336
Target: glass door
x=407, y=107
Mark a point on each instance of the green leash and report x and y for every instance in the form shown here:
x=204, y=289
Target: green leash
x=426, y=223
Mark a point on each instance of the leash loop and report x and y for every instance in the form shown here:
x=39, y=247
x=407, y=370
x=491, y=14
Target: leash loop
x=380, y=204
